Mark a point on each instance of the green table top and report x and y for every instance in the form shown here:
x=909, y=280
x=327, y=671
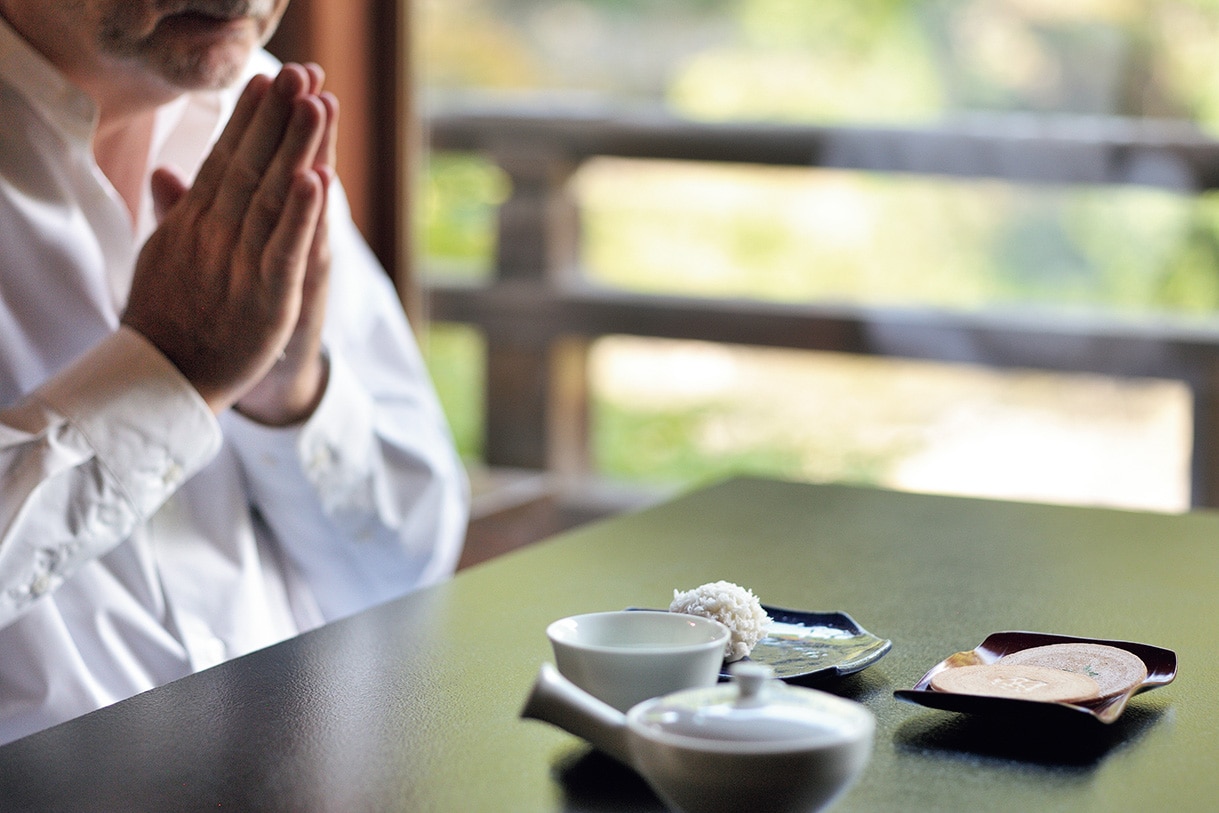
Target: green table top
x=414, y=705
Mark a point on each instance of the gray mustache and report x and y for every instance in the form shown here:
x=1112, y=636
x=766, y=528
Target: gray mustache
x=222, y=8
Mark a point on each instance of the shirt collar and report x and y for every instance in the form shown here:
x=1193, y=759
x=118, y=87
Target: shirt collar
x=62, y=104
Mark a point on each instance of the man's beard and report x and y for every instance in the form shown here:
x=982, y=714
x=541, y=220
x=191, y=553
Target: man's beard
x=188, y=69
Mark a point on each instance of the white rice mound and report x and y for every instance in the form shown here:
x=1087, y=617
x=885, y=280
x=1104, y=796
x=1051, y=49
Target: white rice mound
x=733, y=606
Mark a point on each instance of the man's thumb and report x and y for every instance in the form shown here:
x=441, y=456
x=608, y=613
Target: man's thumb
x=168, y=187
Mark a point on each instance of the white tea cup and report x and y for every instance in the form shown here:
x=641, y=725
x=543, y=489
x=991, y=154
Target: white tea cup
x=623, y=657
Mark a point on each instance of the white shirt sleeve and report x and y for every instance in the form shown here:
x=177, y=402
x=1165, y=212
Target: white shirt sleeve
x=87, y=456
x=367, y=498
x=141, y=537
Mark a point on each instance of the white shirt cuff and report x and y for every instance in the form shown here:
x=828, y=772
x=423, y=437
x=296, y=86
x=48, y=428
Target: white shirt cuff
x=147, y=425
x=333, y=449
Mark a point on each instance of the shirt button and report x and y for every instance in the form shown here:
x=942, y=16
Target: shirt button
x=212, y=651
x=321, y=459
x=172, y=474
x=40, y=585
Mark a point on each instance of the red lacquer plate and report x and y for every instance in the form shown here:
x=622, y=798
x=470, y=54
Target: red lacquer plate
x=1161, y=669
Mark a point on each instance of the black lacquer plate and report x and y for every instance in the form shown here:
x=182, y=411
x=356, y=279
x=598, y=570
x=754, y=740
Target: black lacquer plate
x=1161, y=669
x=809, y=647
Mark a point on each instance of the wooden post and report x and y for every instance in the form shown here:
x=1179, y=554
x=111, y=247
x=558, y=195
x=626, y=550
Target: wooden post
x=537, y=399
x=538, y=227
x=1204, y=460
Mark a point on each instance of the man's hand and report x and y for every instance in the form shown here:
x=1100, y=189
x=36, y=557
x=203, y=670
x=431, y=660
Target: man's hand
x=232, y=285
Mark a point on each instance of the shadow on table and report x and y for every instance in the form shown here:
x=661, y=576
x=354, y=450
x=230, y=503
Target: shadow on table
x=862, y=687
x=1052, y=743
x=591, y=782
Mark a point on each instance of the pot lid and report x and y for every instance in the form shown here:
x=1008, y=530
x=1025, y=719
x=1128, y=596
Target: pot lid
x=753, y=712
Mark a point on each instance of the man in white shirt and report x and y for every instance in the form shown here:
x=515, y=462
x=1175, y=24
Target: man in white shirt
x=215, y=432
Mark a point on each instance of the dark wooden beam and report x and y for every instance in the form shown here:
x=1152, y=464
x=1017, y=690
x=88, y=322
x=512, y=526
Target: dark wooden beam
x=365, y=46
x=1015, y=147
x=1106, y=345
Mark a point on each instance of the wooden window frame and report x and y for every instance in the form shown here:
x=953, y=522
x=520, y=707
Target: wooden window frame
x=367, y=51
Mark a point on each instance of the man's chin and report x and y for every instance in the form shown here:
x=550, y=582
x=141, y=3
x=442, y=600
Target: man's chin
x=209, y=69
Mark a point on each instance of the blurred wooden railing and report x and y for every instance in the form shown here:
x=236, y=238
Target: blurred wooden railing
x=538, y=314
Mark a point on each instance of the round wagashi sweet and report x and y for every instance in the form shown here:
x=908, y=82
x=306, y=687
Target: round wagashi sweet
x=1115, y=670
x=1017, y=681
x=736, y=607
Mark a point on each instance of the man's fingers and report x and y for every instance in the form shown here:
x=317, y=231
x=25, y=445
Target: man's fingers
x=317, y=77
x=168, y=187
x=318, y=272
x=290, y=242
x=262, y=136
x=319, y=253
x=261, y=141
x=212, y=172
x=327, y=151
x=295, y=154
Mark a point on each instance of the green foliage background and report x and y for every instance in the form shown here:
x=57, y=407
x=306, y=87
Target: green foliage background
x=796, y=234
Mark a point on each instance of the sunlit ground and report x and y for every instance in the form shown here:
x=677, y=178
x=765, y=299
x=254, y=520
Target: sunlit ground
x=915, y=426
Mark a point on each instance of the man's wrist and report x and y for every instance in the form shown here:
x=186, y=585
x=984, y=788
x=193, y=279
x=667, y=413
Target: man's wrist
x=289, y=393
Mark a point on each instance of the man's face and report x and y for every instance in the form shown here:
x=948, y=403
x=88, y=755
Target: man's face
x=180, y=44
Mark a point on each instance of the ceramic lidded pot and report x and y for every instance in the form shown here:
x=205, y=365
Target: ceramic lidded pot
x=756, y=744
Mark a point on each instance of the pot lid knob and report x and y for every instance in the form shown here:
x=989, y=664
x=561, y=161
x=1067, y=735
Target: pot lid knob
x=751, y=679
